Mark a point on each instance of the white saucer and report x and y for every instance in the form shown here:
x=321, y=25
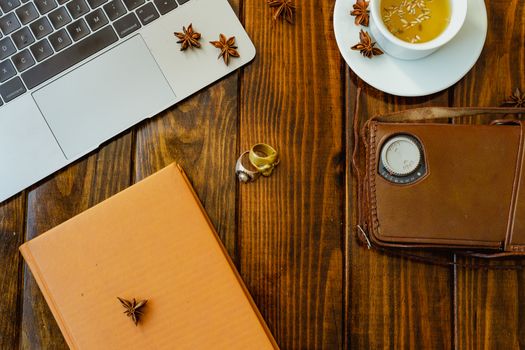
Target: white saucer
x=425, y=76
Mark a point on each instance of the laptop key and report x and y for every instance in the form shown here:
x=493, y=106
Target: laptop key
x=133, y=4
x=60, y=40
x=44, y=6
x=62, y=2
x=9, y=23
x=41, y=50
x=23, y=38
x=41, y=28
x=165, y=6
x=7, y=48
x=59, y=17
x=78, y=29
x=96, y=3
x=27, y=13
x=23, y=60
x=147, y=13
x=69, y=57
x=77, y=8
x=97, y=19
x=8, y=5
x=127, y=25
x=182, y=1
x=7, y=70
x=114, y=9
x=12, y=89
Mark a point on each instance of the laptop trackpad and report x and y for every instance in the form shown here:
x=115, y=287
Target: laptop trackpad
x=104, y=97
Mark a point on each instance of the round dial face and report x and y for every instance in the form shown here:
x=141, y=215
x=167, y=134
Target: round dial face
x=400, y=156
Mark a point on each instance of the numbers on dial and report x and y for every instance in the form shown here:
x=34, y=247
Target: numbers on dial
x=402, y=160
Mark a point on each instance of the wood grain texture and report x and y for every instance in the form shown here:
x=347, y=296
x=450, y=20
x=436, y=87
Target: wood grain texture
x=393, y=303
x=491, y=304
x=11, y=237
x=291, y=235
x=290, y=225
x=70, y=192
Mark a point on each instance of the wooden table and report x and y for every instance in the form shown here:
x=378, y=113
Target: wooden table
x=290, y=235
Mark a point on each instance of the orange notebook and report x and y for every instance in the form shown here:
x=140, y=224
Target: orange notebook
x=152, y=241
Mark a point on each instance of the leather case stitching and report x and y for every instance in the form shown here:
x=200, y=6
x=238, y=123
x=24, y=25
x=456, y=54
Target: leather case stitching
x=371, y=179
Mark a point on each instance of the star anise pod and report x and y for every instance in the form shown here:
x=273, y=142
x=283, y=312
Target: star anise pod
x=360, y=12
x=133, y=308
x=188, y=38
x=284, y=9
x=228, y=48
x=366, y=46
x=517, y=99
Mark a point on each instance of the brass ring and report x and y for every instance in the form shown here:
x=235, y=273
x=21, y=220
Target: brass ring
x=264, y=158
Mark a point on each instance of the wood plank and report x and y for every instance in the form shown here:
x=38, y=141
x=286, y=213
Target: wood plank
x=392, y=303
x=11, y=237
x=491, y=304
x=291, y=224
x=200, y=134
x=70, y=192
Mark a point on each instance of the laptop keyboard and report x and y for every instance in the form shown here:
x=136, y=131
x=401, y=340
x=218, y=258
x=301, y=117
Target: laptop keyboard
x=41, y=38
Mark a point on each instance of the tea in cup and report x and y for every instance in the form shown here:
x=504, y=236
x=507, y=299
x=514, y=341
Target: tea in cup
x=412, y=29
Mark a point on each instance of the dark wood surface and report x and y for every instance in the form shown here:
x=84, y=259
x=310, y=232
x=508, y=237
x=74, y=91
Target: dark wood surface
x=290, y=235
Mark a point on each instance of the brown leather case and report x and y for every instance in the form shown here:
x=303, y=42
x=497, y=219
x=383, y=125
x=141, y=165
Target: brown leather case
x=471, y=197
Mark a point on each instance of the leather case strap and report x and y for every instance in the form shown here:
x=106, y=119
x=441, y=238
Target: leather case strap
x=518, y=174
x=432, y=113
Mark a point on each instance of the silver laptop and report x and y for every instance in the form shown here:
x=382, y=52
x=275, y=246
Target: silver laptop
x=74, y=73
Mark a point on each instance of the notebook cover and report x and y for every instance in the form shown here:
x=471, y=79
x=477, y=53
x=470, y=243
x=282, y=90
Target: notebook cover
x=152, y=241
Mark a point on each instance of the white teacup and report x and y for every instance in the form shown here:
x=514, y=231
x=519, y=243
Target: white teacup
x=408, y=51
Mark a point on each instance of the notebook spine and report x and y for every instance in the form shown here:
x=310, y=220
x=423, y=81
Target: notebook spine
x=25, y=250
